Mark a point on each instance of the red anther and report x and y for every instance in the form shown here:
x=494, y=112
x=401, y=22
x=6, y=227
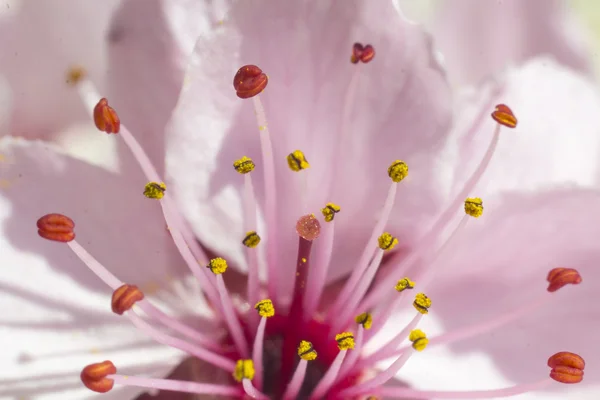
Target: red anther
x=566, y=367
x=559, y=277
x=56, y=227
x=125, y=297
x=94, y=376
x=362, y=53
x=106, y=118
x=504, y=116
x=308, y=227
x=249, y=81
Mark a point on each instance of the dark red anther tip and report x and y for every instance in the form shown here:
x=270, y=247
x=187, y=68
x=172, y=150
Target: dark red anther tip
x=106, y=118
x=124, y=297
x=566, y=367
x=504, y=116
x=249, y=81
x=56, y=227
x=559, y=277
x=362, y=53
x=94, y=376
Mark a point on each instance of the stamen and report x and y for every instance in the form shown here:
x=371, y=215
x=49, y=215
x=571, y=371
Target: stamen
x=559, y=277
x=125, y=297
x=251, y=240
x=422, y=303
x=155, y=190
x=419, y=339
x=244, y=165
x=56, y=227
x=474, y=207
x=404, y=284
x=75, y=74
x=504, y=116
x=252, y=391
x=94, y=376
x=265, y=310
x=362, y=53
x=566, y=367
x=345, y=341
x=387, y=241
x=106, y=118
x=249, y=81
x=297, y=161
x=364, y=321
x=329, y=211
x=218, y=266
x=306, y=352
x=397, y=171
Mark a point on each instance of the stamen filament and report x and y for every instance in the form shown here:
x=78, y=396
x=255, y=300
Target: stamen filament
x=297, y=379
x=257, y=352
x=354, y=354
x=426, y=241
x=177, y=386
x=367, y=254
x=402, y=392
x=252, y=391
x=318, y=273
x=251, y=253
x=168, y=340
x=330, y=376
x=270, y=196
x=113, y=282
x=233, y=323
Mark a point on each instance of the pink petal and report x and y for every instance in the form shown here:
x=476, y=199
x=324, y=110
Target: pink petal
x=401, y=111
x=501, y=262
x=480, y=38
x=39, y=42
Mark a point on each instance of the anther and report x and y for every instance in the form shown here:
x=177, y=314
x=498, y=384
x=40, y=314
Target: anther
x=124, y=297
x=559, y=277
x=404, y=284
x=265, y=308
x=106, y=118
x=329, y=211
x=297, y=161
x=217, y=265
x=387, y=241
x=249, y=81
x=244, y=369
x=419, y=339
x=75, y=74
x=251, y=239
x=398, y=170
x=504, y=116
x=56, y=227
x=566, y=367
x=308, y=227
x=155, y=190
x=422, y=303
x=474, y=207
x=94, y=376
x=244, y=165
x=306, y=351
x=362, y=53
x=364, y=319
x=345, y=340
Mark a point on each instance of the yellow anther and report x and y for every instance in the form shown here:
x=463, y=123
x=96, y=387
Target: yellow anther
x=345, y=340
x=251, y=239
x=243, y=165
x=155, y=190
x=265, y=308
x=422, y=303
x=306, y=351
x=75, y=74
x=398, y=170
x=244, y=369
x=217, y=265
x=364, y=319
x=387, y=241
x=419, y=339
x=297, y=161
x=329, y=211
x=404, y=284
x=372, y=398
x=474, y=206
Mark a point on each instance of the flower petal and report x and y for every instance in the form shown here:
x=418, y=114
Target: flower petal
x=400, y=111
x=500, y=263
x=39, y=42
x=480, y=38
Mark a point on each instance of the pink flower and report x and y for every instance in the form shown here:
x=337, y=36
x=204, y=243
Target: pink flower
x=352, y=124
